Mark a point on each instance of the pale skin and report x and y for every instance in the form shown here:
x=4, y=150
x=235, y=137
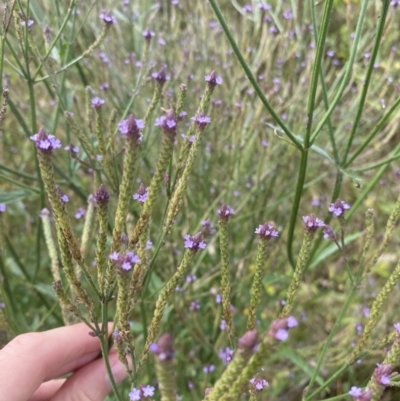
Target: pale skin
x=32, y=366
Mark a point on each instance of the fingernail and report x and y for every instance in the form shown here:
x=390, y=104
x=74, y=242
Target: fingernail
x=118, y=370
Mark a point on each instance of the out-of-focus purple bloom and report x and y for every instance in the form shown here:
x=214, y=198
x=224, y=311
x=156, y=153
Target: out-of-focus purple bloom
x=114, y=256
x=194, y=306
x=266, y=231
x=45, y=142
x=248, y=8
x=397, y=327
x=107, y=17
x=29, y=23
x=132, y=257
x=282, y=335
x=359, y=394
x=73, y=150
x=207, y=227
x=80, y=213
x=182, y=115
x=213, y=79
x=222, y=325
x=258, y=383
x=288, y=14
x=225, y=212
x=141, y=194
x=97, y=102
x=160, y=76
x=3, y=207
x=312, y=223
x=292, y=322
x=135, y=394
x=194, y=242
x=201, y=120
x=329, y=233
x=338, y=207
x=191, y=278
x=148, y=391
x=148, y=34
x=208, y=368
x=226, y=355
x=382, y=373
x=149, y=244
x=264, y=6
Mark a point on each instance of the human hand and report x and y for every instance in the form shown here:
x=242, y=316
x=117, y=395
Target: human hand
x=31, y=363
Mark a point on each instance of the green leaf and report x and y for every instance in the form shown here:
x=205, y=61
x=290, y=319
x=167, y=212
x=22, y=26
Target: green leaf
x=13, y=196
x=295, y=358
x=45, y=289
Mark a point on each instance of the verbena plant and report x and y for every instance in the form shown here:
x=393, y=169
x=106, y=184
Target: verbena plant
x=128, y=129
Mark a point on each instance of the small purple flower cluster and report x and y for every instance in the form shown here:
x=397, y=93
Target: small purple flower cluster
x=258, y=383
x=201, y=120
x=124, y=261
x=97, y=102
x=107, y=17
x=279, y=328
x=266, y=231
x=45, y=142
x=338, y=207
x=226, y=355
x=213, y=79
x=141, y=194
x=131, y=126
x=225, y=212
x=194, y=242
x=141, y=393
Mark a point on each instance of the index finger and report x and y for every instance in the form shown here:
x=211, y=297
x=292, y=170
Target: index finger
x=34, y=356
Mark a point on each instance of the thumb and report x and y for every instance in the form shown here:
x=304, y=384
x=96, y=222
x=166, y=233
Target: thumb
x=91, y=382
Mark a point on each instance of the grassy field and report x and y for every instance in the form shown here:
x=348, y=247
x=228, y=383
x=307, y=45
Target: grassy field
x=303, y=110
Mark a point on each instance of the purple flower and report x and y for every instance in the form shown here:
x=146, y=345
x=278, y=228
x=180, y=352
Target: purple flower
x=218, y=298
x=397, y=327
x=292, y=322
x=191, y=278
x=226, y=355
x=30, y=22
x=132, y=257
x=312, y=223
x=148, y=391
x=135, y=394
x=201, y=120
x=264, y=6
x=63, y=197
x=73, y=150
x=126, y=265
x=194, y=242
x=80, y=213
x=97, y=102
x=107, y=17
x=225, y=212
x=3, y=207
x=213, y=79
x=266, y=231
x=338, y=207
x=258, y=383
x=382, y=373
x=45, y=142
x=160, y=76
x=208, y=368
x=248, y=8
x=360, y=395
x=282, y=335
x=114, y=256
x=163, y=348
x=148, y=34
x=207, y=227
x=131, y=126
x=222, y=325
x=149, y=244
x=329, y=233
x=141, y=194
x=101, y=195
x=168, y=122
x=43, y=212
x=194, y=306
